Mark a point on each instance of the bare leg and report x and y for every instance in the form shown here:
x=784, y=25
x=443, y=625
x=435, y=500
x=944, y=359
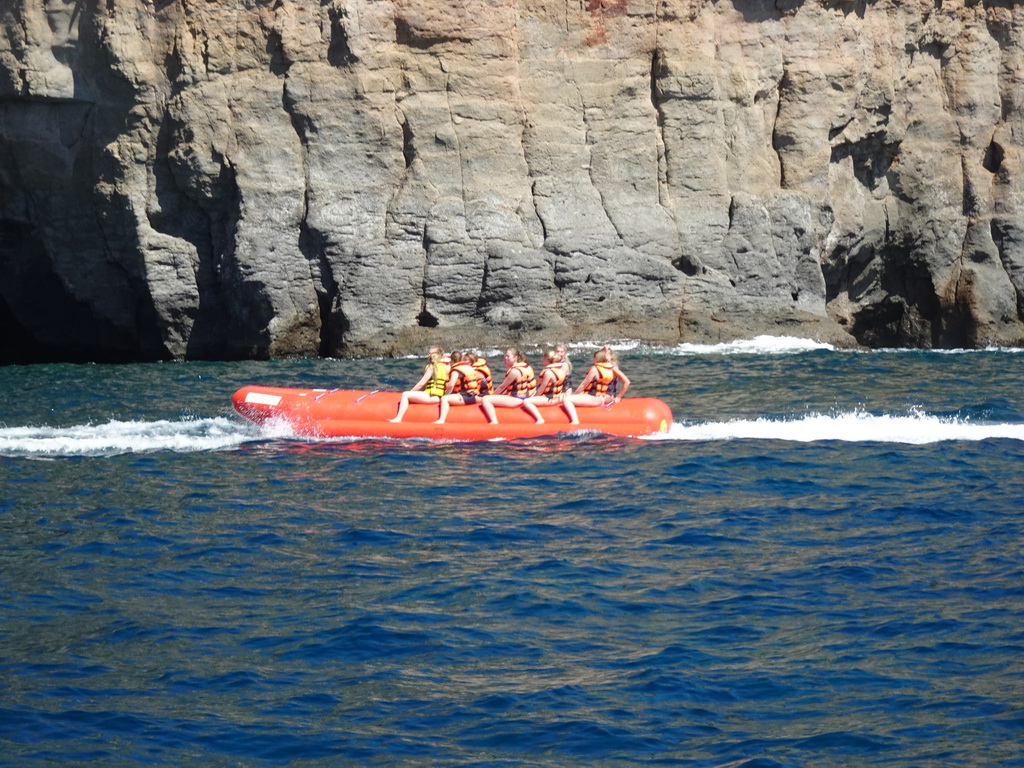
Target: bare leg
x=488, y=409
x=490, y=402
x=402, y=408
x=413, y=396
x=531, y=409
x=444, y=410
x=570, y=411
x=587, y=401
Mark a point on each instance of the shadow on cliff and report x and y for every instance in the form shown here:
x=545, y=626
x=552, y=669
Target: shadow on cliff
x=34, y=323
x=757, y=12
x=909, y=314
x=230, y=319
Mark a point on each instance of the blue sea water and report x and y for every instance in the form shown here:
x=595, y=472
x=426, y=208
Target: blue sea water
x=821, y=564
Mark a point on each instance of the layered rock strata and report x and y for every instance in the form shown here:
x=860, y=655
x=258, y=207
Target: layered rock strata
x=248, y=178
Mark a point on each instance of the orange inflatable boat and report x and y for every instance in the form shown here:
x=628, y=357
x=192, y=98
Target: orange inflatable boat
x=351, y=413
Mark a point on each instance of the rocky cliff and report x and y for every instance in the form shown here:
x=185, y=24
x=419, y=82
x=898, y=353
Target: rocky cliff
x=250, y=178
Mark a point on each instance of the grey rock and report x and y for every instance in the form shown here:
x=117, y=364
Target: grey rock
x=189, y=179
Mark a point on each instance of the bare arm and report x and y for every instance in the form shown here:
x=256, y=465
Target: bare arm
x=586, y=381
x=511, y=377
x=428, y=373
x=625, y=384
x=546, y=380
x=450, y=384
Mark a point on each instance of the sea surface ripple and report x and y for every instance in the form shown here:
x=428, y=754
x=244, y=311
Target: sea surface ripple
x=819, y=565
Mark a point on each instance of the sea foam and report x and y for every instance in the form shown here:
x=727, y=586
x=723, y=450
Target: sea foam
x=856, y=426
x=117, y=437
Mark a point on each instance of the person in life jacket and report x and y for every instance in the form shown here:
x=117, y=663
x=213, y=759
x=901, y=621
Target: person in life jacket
x=551, y=389
x=464, y=385
x=562, y=353
x=613, y=358
x=519, y=383
x=595, y=389
x=481, y=365
x=430, y=387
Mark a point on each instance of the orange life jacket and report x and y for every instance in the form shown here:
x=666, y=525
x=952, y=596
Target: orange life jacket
x=481, y=365
x=605, y=376
x=469, y=383
x=527, y=382
x=556, y=387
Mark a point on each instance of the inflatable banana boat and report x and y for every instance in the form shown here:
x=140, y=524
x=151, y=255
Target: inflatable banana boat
x=352, y=413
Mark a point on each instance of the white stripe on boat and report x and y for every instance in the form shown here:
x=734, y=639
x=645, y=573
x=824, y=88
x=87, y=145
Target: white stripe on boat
x=261, y=399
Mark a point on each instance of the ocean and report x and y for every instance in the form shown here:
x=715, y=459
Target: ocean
x=820, y=564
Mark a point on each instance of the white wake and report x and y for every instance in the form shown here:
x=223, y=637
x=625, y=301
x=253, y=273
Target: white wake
x=914, y=428
x=118, y=437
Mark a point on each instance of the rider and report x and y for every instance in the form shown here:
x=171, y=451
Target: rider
x=562, y=353
x=519, y=383
x=595, y=388
x=481, y=365
x=463, y=387
x=551, y=389
x=430, y=387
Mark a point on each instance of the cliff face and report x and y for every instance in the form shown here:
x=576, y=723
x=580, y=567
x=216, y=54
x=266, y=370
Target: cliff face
x=185, y=178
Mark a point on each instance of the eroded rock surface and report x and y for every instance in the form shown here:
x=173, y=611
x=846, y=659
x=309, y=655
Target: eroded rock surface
x=248, y=178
